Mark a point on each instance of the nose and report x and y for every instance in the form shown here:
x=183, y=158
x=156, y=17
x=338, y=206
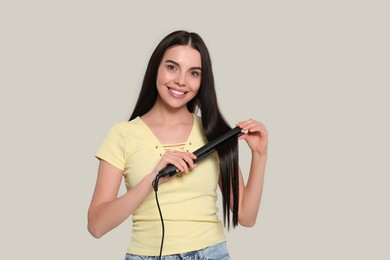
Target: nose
x=180, y=79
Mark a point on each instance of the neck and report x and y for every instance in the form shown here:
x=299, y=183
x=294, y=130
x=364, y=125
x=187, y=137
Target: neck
x=161, y=114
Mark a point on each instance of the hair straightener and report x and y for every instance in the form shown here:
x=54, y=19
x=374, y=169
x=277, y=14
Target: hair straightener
x=201, y=153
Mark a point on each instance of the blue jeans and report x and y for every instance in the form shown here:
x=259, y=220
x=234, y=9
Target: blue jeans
x=215, y=252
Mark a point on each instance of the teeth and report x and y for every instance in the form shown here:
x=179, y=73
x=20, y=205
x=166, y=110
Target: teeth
x=176, y=92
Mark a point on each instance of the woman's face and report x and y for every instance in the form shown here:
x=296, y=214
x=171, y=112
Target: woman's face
x=179, y=75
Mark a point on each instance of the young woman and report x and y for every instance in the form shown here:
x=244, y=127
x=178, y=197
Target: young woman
x=164, y=129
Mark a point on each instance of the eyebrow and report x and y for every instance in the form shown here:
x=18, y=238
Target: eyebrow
x=177, y=64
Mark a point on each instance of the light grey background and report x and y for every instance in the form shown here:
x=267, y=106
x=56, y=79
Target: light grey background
x=316, y=73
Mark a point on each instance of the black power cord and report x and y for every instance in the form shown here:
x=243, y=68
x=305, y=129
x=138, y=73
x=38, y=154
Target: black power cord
x=155, y=187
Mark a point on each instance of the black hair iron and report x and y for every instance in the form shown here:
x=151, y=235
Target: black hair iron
x=201, y=153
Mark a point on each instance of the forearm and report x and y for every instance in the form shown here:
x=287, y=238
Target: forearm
x=253, y=191
x=106, y=216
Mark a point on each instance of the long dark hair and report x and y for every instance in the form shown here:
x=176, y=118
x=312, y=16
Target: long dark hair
x=213, y=122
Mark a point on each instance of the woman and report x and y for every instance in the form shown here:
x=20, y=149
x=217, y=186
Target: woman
x=164, y=129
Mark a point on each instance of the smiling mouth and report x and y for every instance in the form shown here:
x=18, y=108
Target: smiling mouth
x=176, y=92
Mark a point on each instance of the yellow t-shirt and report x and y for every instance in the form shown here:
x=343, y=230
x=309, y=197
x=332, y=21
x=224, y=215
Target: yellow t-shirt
x=188, y=203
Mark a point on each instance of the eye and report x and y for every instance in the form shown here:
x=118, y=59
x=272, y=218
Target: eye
x=195, y=73
x=171, y=67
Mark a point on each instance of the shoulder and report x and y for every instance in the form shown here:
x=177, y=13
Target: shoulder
x=198, y=128
x=126, y=127
x=133, y=132
x=197, y=121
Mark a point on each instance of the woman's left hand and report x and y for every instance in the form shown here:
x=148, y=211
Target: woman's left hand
x=256, y=136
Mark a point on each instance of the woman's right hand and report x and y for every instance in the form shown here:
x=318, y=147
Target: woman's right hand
x=183, y=161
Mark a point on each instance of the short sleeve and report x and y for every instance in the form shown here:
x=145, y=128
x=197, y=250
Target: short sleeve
x=113, y=148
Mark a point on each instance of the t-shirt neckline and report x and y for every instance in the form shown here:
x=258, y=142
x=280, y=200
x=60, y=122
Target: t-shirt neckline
x=149, y=130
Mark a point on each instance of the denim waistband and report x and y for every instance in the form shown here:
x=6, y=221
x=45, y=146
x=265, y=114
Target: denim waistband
x=217, y=252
